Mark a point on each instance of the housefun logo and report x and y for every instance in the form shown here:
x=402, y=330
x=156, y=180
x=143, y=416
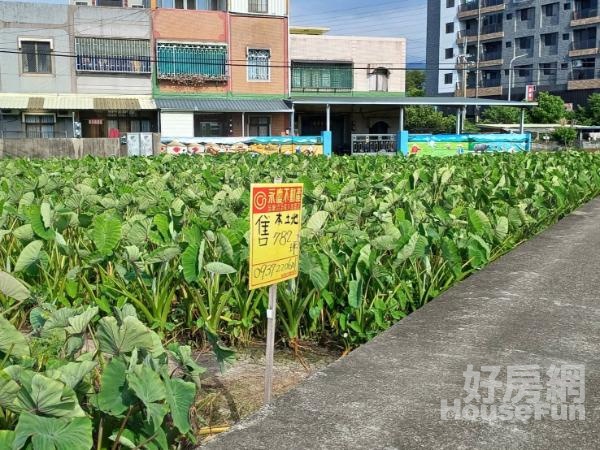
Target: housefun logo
x=526, y=393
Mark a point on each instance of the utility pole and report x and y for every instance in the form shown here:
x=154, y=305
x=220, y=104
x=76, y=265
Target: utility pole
x=511, y=75
x=478, y=50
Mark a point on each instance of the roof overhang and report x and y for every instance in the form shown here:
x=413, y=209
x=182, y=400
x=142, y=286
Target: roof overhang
x=407, y=101
x=76, y=102
x=212, y=105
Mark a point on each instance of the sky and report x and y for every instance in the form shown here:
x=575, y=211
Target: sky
x=387, y=18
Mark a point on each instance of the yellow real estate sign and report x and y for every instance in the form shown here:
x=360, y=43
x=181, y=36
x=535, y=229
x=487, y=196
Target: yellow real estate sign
x=275, y=223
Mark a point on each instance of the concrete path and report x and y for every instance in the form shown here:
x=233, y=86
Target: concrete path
x=539, y=305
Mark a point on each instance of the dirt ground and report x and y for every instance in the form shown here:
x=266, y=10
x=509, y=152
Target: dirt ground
x=230, y=396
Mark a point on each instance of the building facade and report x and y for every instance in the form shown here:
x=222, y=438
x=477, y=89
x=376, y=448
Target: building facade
x=366, y=69
x=490, y=48
x=222, y=71
x=75, y=71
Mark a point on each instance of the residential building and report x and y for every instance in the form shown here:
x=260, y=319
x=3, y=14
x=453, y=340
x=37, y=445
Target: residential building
x=74, y=70
x=359, y=72
x=486, y=48
x=222, y=70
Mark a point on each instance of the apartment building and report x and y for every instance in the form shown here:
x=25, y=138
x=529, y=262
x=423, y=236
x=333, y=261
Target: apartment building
x=222, y=70
x=358, y=75
x=493, y=48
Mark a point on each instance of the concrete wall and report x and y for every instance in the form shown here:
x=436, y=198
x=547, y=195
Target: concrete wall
x=362, y=51
x=60, y=148
x=39, y=21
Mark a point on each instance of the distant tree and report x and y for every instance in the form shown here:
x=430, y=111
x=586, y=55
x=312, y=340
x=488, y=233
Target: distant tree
x=565, y=135
x=590, y=114
x=427, y=118
x=415, y=83
x=550, y=109
x=501, y=114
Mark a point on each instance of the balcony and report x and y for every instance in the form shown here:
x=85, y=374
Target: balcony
x=588, y=16
x=583, y=47
x=488, y=33
x=472, y=8
x=491, y=58
x=487, y=88
x=584, y=78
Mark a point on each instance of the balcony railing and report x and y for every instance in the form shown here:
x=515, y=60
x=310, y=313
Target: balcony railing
x=584, y=44
x=489, y=83
x=472, y=5
x=585, y=13
x=485, y=29
x=586, y=73
x=491, y=56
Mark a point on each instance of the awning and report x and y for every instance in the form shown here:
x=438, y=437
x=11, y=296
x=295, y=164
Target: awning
x=223, y=105
x=406, y=101
x=37, y=102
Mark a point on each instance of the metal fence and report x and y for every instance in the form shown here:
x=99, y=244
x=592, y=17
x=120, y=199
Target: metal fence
x=374, y=144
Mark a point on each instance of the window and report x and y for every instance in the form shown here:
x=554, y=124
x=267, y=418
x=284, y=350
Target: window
x=189, y=61
x=259, y=126
x=36, y=57
x=547, y=71
x=449, y=53
x=450, y=27
x=322, y=77
x=449, y=3
x=211, y=125
x=378, y=80
x=524, y=71
x=549, y=44
x=258, y=6
x=508, y=44
x=185, y=4
x=112, y=55
x=39, y=125
x=448, y=78
x=509, y=16
x=258, y=65
x=114, y=3
x=566, y=37
x=567, y=6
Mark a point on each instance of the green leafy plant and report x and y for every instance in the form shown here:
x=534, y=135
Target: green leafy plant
x=79, y=381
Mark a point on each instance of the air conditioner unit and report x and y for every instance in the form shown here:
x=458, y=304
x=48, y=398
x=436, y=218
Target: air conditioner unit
x=136, y=4
x=9, y=112
x=83, y=2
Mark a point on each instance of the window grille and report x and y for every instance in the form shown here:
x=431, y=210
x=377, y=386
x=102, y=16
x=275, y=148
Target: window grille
x=112, y=55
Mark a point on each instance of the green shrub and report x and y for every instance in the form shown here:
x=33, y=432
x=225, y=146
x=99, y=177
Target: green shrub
x=565, y=135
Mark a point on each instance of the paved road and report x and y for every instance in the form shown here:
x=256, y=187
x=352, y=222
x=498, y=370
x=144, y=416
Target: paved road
x=540, y=305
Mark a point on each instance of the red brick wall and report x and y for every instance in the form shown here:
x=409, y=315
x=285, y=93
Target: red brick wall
x=261, y=33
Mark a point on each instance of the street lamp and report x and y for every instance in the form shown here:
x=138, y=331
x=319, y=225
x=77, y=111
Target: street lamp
x=511, y=75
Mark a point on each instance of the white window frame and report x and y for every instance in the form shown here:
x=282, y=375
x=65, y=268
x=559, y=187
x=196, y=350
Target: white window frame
x=257, y=67
x=20, y=41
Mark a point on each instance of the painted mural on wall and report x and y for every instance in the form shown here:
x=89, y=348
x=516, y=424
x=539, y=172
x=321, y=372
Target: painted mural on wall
x=460, y=144
x=287, y=145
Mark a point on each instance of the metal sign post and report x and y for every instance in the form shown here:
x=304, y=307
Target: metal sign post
x=271, y=321
x=275, y=223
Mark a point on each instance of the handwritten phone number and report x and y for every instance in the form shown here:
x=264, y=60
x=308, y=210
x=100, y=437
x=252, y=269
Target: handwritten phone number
x=279, y=269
